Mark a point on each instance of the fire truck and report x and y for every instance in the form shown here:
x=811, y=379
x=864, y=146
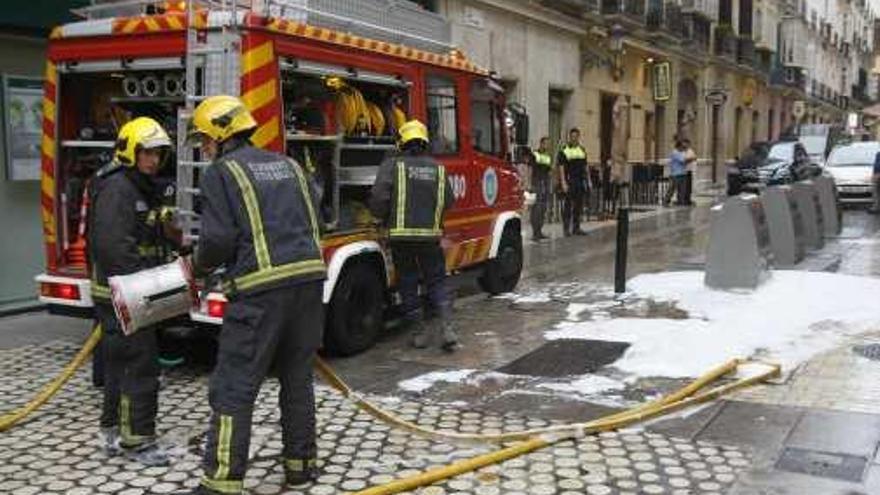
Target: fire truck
x=328, y=82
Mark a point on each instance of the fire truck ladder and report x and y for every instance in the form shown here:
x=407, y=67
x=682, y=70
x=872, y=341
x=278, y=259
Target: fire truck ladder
x=211, y=70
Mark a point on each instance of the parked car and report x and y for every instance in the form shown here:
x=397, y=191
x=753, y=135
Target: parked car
x=852, y=167
x=820, y=139
x=742, y=176
x=786, y=162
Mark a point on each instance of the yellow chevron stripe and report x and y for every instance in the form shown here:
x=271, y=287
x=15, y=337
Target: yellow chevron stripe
x=266, y=133
x=257, y=57
x=48, y=110
x=48, y=147
x=49, y=225
x=48, y=185
x=174, y=22
x=130, y=26
x=152, y=25
x=51, y=73
x=258, y=97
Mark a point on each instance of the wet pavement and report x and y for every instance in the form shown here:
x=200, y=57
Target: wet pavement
x=815, y=433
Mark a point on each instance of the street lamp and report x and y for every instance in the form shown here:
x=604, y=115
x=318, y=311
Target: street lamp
x=615, y=46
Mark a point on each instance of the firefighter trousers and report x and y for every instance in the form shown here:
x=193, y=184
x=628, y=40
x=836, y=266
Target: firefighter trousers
x=541, y=188
x=278, y=330
x=131, y=379
x=423, y=261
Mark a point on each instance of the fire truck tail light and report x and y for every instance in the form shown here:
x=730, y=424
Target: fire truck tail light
x=60, y=291
x=216, y=308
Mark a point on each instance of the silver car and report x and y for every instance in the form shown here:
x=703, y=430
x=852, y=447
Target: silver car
x=852, y=167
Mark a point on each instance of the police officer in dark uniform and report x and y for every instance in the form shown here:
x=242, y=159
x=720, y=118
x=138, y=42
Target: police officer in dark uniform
x=259, y=222
x=410, y=195
x=542, y=170
x=124, y=238
x=574, y=181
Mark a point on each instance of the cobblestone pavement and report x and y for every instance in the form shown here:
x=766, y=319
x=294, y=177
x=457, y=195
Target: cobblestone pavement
x=58, y=451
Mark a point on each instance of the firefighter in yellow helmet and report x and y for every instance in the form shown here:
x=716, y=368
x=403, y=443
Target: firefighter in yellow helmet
x=124, y=238
x=410, y=196
x=259, y=222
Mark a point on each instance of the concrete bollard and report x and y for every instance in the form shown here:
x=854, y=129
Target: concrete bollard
x=831, y=213
x=807, y=198
x=739, y=244
x=785, y=224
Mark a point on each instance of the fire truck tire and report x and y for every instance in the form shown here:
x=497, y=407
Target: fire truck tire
x=355, y=313
x=503, y=271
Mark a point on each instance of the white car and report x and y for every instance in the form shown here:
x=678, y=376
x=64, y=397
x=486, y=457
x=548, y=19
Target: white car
x=852, y=167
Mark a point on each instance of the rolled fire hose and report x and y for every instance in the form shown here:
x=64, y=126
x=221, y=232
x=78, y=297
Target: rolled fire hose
x=11, y=419
x=612, y=422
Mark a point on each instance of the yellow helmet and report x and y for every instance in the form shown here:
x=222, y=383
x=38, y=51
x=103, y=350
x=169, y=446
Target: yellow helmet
x=413, y=130
x=139, y=134
x=221, y=117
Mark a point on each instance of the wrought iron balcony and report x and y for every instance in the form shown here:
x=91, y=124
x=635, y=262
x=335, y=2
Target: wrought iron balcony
x=628, y=10
x=665, y=18
x=574, y=8
x=792, y=77
x=745, y=51
x=725, y=42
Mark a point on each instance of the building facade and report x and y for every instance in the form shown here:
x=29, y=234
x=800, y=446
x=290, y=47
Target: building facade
x=722, y=73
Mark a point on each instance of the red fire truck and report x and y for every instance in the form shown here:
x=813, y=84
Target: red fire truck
x=328, y=97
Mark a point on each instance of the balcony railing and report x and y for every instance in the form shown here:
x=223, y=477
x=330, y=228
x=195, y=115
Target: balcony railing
x=574, y=8
x=725, y=43
x=630, y=9
x=745, y=51
x=792, y=77
x=665, y=17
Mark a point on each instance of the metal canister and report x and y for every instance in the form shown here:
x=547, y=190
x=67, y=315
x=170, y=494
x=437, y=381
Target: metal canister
x=153, y=295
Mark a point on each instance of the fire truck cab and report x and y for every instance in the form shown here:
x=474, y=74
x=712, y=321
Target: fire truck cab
x=326, y=89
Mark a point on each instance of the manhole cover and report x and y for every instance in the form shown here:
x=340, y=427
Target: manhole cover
x=566, y=357
x=870, y=351
x=822, y=464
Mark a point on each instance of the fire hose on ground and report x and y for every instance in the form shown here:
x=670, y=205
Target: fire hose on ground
x=527, y=441
x=9, y=420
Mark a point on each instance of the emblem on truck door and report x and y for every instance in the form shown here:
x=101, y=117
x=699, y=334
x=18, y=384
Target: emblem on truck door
x=490, y=186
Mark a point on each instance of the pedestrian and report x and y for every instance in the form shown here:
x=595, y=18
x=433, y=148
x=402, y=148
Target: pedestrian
x=875, y=190
x=574, y=181
x=677, y=174
x=123, y=239
x=410, y=196
x=690, y=158
x=259, y=222
x=541, y=164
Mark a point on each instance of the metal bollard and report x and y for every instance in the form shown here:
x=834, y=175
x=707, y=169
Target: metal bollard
x=621, y=255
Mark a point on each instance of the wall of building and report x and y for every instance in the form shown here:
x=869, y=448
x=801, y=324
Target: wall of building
x=531, y=56
x=21, y=244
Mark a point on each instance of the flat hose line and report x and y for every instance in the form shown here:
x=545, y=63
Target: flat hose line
x=9, y=420
x=529, y=440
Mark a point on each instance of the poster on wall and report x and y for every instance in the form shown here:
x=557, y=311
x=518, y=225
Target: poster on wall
x=22, y=126
x=662, y=81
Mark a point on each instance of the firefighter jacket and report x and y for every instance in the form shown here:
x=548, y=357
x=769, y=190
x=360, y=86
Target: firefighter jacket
x=124, y=235
x=410, y=194
x=573, y=160
x=259, y=222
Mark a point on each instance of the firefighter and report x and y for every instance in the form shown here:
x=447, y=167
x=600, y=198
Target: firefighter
x=259, y=222
x=542, y=168
x=409, y=196
x=124, y=239
x=574, y=181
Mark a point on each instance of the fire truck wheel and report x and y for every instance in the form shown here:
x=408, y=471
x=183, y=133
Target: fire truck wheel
x=502, y=272
x=355, y=313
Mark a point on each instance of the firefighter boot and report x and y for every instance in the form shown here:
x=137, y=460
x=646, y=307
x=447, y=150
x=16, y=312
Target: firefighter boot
x=150, y=454
x=450, y=335
x=420, y=335
x=298, y=472
x=110, y=439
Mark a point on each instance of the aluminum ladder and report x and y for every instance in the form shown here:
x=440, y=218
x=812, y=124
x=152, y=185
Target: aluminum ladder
x=217, y=42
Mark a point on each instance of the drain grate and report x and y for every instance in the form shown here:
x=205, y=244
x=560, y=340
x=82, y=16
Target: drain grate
x=870, y=351
x=566, y=357
x=822, y=464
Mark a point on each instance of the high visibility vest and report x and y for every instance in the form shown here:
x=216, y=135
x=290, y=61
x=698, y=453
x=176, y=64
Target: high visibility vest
x=543, y=159
x=572, y=153
x=417, y=211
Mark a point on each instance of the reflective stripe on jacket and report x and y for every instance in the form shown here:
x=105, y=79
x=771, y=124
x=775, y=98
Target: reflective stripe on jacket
x=259, y=220
x=410, y=196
